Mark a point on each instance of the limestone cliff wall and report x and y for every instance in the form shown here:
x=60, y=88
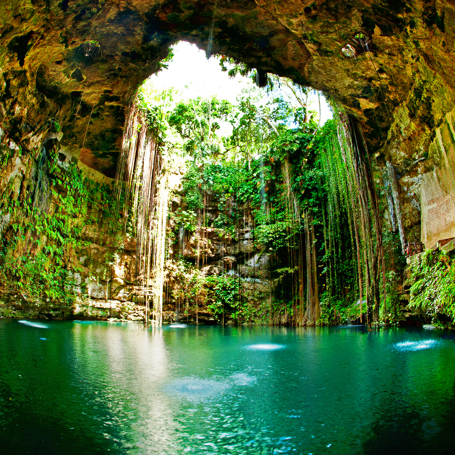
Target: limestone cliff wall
x=62, y=248
x=210, y=252
x=438, y=187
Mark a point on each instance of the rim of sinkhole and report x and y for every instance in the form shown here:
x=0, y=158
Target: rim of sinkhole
x=190, y=74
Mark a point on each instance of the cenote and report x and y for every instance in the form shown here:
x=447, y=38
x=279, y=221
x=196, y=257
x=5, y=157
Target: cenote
x=97, y=387
x=227, y=227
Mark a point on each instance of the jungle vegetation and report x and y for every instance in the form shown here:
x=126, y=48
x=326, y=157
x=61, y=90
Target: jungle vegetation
x=247, y=212
x=303, y=193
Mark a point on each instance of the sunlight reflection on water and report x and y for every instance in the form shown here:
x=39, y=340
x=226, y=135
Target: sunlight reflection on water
x=34, y=324
x=243, y=379
x=265, y=347
x=416, y=345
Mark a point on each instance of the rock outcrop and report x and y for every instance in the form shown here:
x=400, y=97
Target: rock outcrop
x=75, y=64
x=438, y=187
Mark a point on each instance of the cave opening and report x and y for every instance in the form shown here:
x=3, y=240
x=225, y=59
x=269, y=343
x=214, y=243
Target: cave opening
x=78, y=99
x=266, y=199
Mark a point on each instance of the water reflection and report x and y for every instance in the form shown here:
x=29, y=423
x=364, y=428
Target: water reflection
x=194, y=388
x=416, y=345
x=243, y=379
x=178, y=326
x=265, y=347
x=132, y=366
x=37, y=325
x=129, y=390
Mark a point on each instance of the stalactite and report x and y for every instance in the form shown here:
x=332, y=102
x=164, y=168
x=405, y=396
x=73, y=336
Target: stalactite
x=42, y=189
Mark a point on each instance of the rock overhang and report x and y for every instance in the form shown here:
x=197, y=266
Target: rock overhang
x=79, y=63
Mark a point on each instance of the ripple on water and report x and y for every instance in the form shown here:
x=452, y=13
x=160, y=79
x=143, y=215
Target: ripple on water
x=243, y=379
x=416, y=345
x=34, y=324
x=196, y=389
x=265, y=347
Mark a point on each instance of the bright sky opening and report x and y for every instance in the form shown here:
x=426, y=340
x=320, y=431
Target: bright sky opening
x=193, y=75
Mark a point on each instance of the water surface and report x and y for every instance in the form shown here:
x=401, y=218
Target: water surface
x=96, y=387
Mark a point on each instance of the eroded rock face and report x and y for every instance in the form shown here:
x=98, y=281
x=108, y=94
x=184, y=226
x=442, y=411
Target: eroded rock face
x=438, y=187
x=70, y=67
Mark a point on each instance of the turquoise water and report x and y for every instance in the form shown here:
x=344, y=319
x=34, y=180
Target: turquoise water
x=94, y=387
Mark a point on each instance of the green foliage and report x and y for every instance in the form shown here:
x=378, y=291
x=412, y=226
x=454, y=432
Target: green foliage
x=396, y=264
x=54, y=125
x=197, y=122
x=6, y=154
x=294, y=178
x=191, y=188
x=185, y=218
x=224, y=296
x=433, y=289
x=39, y=260
x=230, y=184
x=156, y=108
x=276, y=234
x=164, y=64
x=233, y=67
x=336, y=311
